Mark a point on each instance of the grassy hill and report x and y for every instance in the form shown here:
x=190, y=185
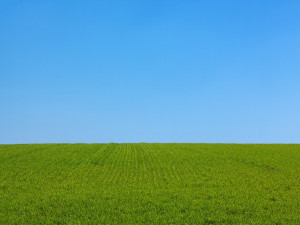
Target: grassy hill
x=149, y=184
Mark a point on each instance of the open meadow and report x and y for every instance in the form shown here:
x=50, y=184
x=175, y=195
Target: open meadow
x=149, y=184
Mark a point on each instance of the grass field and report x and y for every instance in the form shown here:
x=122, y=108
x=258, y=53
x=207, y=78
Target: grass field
x=149, y=184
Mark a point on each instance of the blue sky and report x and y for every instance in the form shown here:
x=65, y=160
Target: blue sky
x=150, y=71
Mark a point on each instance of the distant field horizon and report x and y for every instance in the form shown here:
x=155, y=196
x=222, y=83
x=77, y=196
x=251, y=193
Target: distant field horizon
x=144, y=142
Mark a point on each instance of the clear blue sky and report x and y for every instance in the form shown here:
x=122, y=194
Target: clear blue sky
x=152, y=71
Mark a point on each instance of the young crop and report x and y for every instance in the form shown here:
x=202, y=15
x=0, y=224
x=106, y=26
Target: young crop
x=149, y=184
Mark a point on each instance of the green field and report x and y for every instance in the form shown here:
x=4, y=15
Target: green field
x=149, y=184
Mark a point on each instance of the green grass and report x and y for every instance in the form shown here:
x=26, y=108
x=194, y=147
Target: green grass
x=149, y=184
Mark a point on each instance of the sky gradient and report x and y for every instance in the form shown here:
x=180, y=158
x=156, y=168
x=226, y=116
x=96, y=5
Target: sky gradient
x=150, y=71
